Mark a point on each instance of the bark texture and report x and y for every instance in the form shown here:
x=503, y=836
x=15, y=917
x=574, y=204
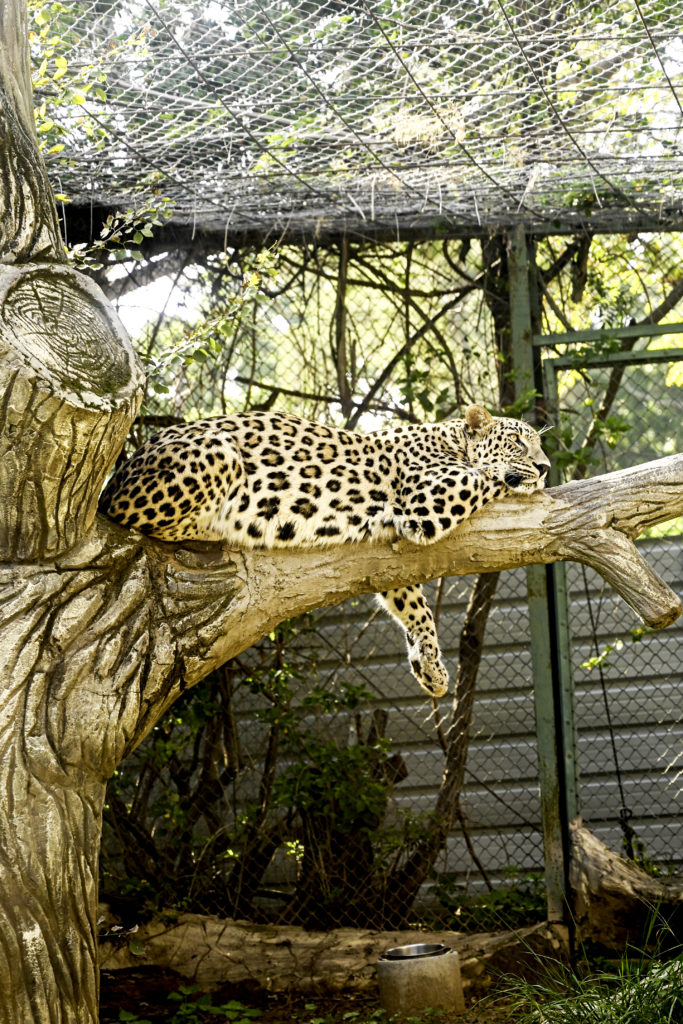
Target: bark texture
x=28, y=219
x=75, y=644
x=69, y=388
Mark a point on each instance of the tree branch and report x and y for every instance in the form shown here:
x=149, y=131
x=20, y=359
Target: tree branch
x=217, y=602
x=122, y=624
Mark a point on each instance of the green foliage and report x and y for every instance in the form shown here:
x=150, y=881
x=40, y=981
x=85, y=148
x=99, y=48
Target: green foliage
x=191, y=1006
x=195, y=1007
x=642, y=859
x=599, y=659
x=194, y=344
x=272, y=347
x=128, y=1017
x=120, y=236
x=376, y=1016
x=635, y=635
x=323, y=791
x=69, y=92
x=636, y=991
x=325, y=779
x=64, y=86
x=522, y=404
x=68, y=89
x=155, y=852
x=351, y=1016
x=611, y=417
x=518, y=902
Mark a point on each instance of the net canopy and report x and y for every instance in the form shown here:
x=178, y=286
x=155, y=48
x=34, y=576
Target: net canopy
x=385, y=119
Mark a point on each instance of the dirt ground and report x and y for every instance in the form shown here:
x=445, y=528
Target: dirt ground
x=144, y=992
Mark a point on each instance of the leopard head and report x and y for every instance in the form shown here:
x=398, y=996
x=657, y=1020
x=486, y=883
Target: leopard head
x=511, y=448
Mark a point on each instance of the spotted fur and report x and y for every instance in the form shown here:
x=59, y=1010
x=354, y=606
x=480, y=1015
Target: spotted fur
x=274, y=480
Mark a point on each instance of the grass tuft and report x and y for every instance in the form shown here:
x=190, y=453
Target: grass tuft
x=636, y=991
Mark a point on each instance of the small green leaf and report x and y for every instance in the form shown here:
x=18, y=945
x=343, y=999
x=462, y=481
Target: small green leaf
x=132, y=1018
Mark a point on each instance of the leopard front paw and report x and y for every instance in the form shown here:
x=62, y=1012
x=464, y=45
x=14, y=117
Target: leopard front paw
x=427, y=667
x=417, y=531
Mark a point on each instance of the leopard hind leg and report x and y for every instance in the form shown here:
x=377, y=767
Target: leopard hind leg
x=409, y=607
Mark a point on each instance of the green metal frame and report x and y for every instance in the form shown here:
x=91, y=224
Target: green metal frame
x=568, y=808
x=570, y=803
x=550, y=637
x=571, y=362
x=551, y=642
x=606, y=333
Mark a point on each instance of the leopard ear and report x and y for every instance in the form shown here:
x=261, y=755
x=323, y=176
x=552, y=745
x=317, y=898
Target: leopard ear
x=476, y=418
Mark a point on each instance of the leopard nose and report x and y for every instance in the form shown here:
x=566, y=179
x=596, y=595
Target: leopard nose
x=542, y=468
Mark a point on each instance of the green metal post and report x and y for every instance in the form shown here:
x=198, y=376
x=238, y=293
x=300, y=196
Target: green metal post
x=550, y=638
x=564, y=683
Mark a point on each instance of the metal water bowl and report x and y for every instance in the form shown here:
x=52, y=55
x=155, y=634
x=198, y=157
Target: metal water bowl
x=419, y=949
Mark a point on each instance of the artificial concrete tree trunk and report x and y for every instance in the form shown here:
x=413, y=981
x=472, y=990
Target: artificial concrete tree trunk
x=101, y=629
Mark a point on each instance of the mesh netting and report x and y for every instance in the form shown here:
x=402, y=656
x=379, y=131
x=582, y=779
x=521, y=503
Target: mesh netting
x=312, y=118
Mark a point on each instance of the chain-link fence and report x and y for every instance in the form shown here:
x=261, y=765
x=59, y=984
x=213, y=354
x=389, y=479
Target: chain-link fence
x=305, y=781
x=627, y=679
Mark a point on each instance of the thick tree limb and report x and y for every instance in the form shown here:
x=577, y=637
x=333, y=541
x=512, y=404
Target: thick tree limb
x=218, y=602
x=212, y=952
x=121, y=624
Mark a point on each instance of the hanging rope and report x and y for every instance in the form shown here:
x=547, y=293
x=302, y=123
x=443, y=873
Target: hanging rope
x=625, y=813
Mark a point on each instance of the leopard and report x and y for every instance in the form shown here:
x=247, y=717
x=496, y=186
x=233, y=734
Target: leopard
x=268, y=479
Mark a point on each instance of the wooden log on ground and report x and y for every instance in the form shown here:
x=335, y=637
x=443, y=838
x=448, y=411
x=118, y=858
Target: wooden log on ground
x=212, y=952
x=614, y=899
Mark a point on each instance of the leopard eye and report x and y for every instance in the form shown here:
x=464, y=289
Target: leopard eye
x=520, y=443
